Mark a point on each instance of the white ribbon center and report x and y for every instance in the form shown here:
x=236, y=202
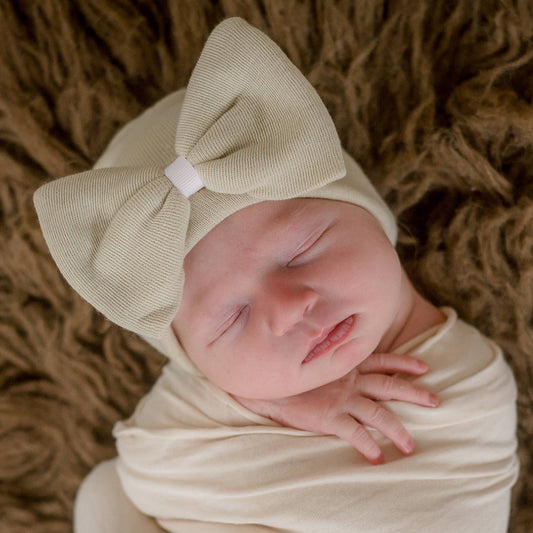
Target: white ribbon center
x=184, y=176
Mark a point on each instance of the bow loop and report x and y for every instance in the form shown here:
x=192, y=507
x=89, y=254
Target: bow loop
x=252, y=124
x=118, y=237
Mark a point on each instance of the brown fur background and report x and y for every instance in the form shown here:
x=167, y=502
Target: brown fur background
x=433, y=97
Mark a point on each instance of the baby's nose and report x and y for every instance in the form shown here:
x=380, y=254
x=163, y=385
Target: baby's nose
x=287, y=303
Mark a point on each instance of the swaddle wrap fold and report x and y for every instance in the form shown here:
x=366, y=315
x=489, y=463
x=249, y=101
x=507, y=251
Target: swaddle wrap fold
x=251, y=128
x=196, y=460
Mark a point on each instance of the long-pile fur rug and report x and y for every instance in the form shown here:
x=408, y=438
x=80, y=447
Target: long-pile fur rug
x=434, y=98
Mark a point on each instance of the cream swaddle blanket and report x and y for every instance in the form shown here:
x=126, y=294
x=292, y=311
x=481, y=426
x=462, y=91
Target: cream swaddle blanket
x=198, y=461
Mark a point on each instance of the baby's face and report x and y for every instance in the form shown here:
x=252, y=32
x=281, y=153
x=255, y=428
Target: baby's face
x=283, y=297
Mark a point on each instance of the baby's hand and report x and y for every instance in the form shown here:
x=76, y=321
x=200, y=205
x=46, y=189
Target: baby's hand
x=344, y=406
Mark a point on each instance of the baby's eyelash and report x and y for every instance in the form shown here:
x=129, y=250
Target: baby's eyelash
x=308, y=245
x=231, y=321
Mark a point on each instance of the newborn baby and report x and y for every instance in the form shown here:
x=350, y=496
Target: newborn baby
x=227, y=227
x=263, y=290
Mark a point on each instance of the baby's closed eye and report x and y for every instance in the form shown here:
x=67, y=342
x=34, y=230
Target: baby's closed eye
x=307, y=246
x=232, y=320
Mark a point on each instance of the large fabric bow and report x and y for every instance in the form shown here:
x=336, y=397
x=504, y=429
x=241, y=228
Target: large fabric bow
x=251, y=124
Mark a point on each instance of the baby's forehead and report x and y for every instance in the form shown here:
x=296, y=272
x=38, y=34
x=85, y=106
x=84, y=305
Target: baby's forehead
x=260, y=225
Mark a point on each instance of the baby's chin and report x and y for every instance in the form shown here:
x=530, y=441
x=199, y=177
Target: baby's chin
x=320, y=376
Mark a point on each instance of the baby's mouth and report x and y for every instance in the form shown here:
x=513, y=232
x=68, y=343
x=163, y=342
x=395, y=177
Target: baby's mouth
x=333, y=338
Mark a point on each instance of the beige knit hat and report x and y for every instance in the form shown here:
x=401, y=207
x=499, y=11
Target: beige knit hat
x=251, y=128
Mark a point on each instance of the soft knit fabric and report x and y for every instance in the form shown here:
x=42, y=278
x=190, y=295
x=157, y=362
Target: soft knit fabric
x=102, y=506
x=253, y=128
x=196, y=460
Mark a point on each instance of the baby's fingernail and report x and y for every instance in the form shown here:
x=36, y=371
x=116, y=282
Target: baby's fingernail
x=422, y=366
x=433, y=400
x=379, y=460
x=376, y=459
x=409, y=446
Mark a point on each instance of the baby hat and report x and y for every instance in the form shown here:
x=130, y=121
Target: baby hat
x=251, y=128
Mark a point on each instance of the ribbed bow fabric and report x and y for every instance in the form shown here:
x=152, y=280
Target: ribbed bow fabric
x=251, y=128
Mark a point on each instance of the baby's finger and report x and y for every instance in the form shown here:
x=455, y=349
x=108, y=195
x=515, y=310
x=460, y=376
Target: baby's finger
x=383, y=387
x=349, y=430
x=390, y=363
x=376, y=416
